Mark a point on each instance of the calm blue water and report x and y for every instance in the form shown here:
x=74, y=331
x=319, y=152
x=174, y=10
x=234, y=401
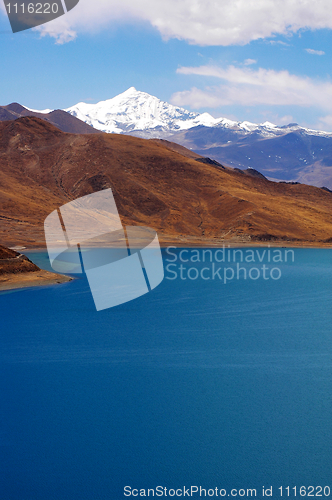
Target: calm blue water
x=197, y=383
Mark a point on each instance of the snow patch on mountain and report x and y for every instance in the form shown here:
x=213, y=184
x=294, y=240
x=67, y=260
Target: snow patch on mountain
x=41, y=111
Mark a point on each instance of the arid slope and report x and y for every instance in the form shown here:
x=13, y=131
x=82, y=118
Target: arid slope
x=185, y=200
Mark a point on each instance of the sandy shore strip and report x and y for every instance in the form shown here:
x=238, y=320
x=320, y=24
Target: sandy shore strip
x=31, y=279
x=195, y=242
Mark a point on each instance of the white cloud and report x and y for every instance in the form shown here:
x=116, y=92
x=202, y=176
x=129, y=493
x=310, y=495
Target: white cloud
x=61, y=31
x=276, y=118
x=248, y=87
x=202, y=22
x=315, y=52
x=248, y=62
x=324, y=123
x=278, y=42
x=284, y=120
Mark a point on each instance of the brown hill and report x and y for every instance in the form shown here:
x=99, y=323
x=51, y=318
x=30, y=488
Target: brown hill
x=7, y=253
x=60, y=119
x=15, y=263
x=183, y=199
x=17, y=271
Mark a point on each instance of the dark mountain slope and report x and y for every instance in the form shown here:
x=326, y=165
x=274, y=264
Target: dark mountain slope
x=60, y=119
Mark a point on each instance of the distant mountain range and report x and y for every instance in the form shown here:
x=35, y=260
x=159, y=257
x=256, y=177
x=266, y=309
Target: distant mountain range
x=287, y=153
x=139, y=113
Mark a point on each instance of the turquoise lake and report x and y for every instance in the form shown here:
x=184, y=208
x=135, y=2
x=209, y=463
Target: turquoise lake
x=198, y=383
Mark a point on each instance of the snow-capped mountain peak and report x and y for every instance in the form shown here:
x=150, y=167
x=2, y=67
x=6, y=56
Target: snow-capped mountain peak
x=134, y=110
x=268, y=125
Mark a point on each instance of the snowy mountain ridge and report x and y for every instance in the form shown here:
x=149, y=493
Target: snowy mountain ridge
x=136, y=111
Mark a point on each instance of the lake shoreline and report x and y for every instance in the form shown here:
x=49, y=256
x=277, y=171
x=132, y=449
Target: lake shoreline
x=31, y=279
x=196, y=243
x=45, y=278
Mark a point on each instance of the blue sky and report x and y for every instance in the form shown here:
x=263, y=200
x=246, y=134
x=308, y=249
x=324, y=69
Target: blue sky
x=250, y=64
